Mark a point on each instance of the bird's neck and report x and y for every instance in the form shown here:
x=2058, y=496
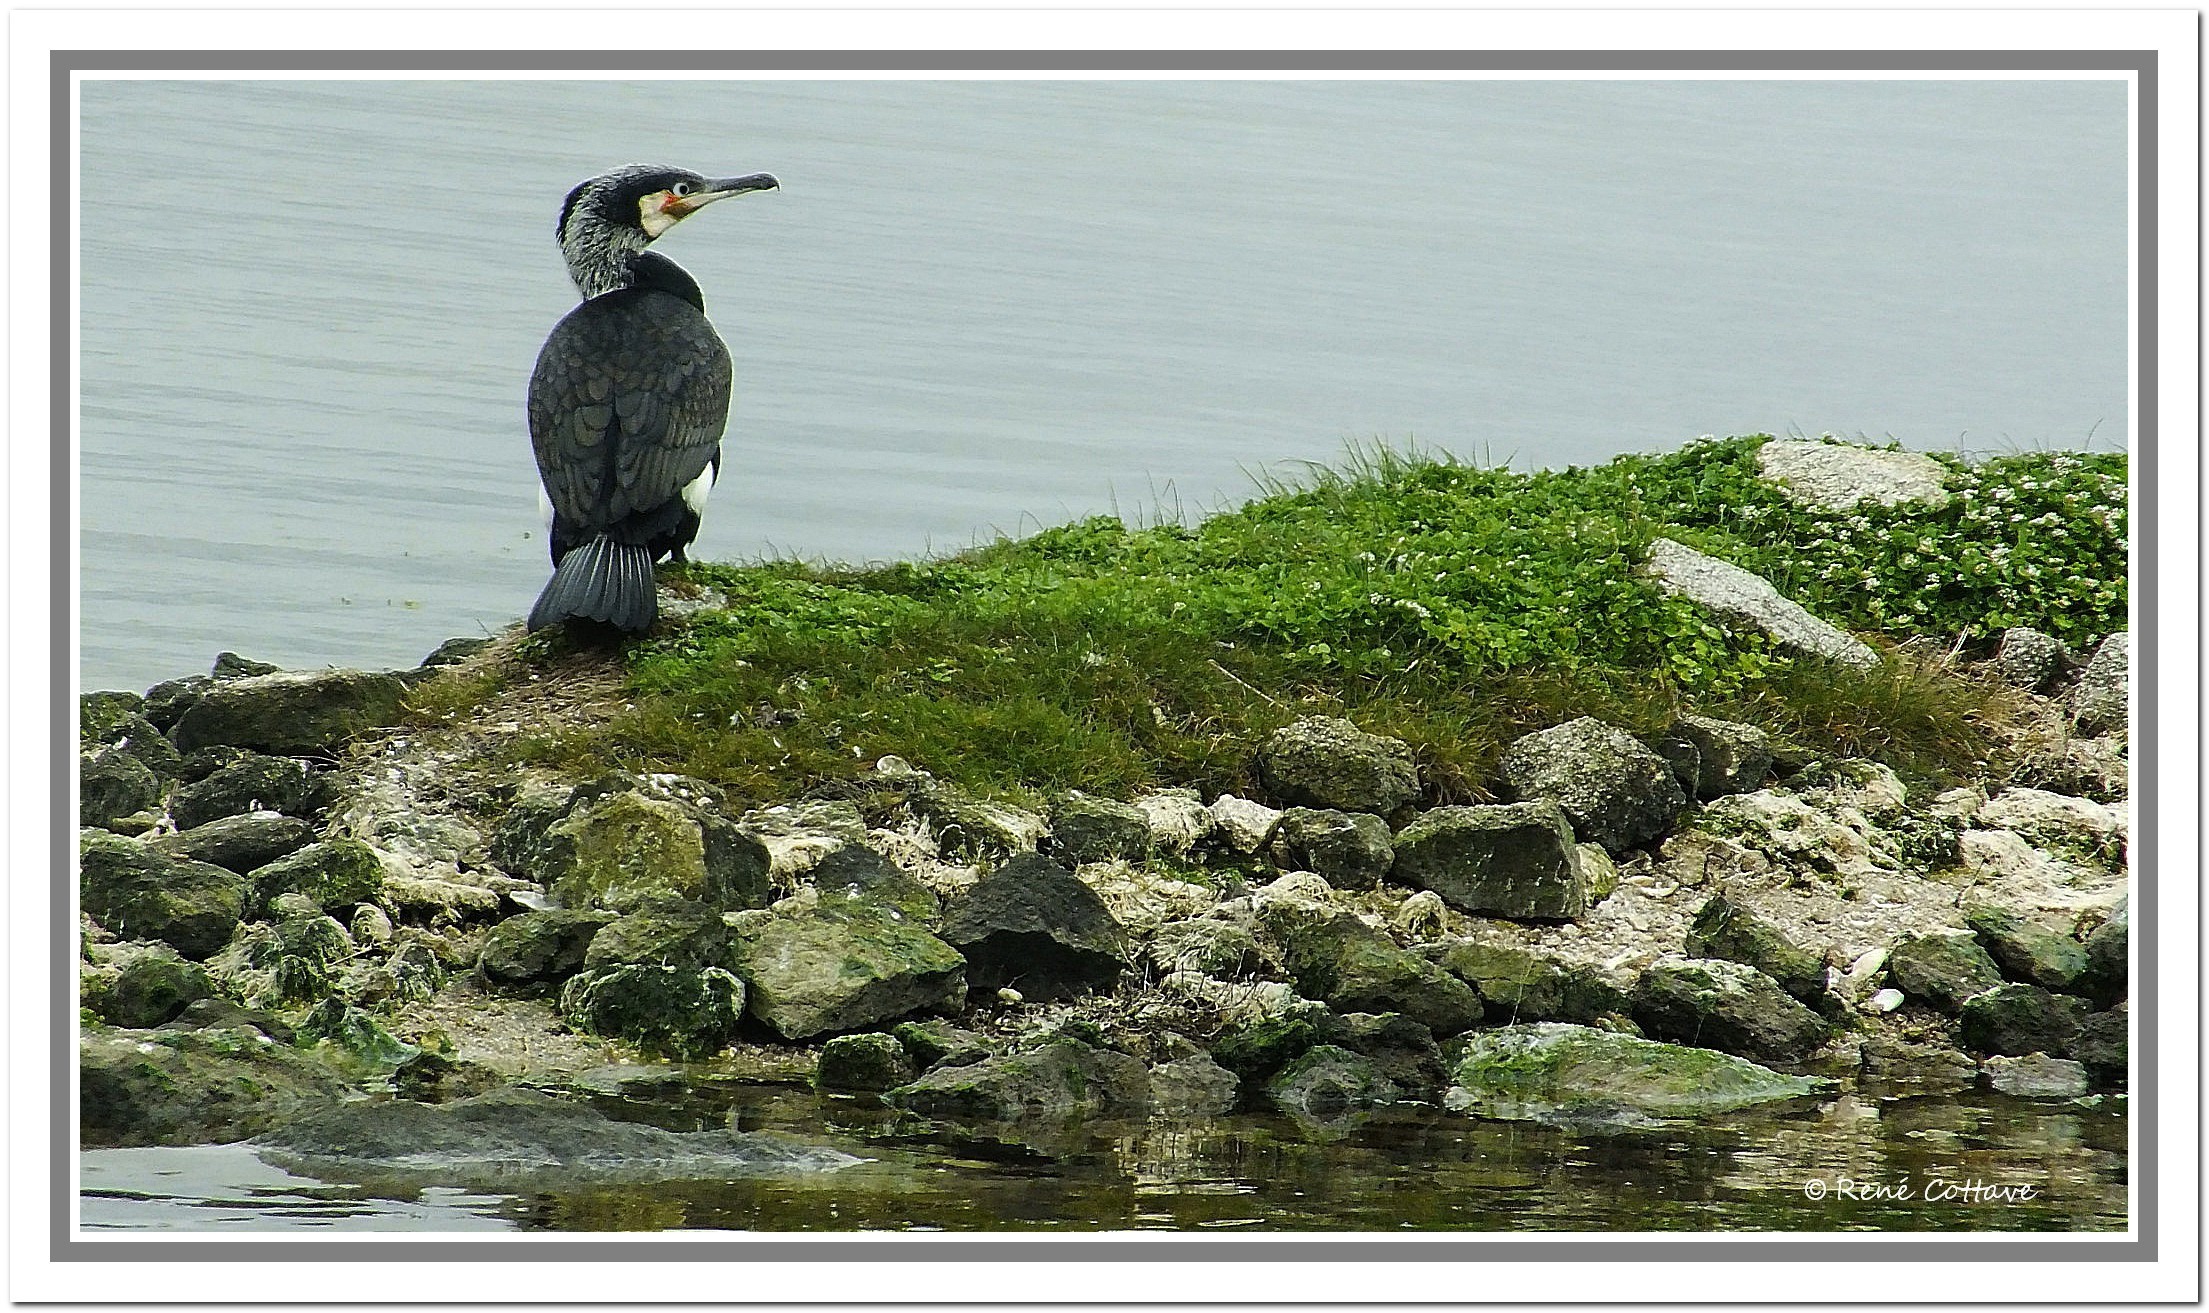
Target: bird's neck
x=601, y=259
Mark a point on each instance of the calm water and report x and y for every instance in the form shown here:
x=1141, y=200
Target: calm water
x=977, y=307
x=2062, y=1167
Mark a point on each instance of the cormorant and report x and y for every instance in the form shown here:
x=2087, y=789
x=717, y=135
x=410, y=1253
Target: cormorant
x=629, y=397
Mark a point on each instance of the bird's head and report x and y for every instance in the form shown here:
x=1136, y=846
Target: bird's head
x=607, y=220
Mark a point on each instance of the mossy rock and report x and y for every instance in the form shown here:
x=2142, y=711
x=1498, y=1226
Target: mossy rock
x=539, y=947
x=1516, y=984
x=240, y=843
x=682, y=1011
x=291, y=713
x=112, y=784
x=334, y=873
x=621, y=851
x=1942, y=970
x=1325, y=1080
x=1552, y=1071
x=863, y=1064
x=1724, y=929
x=180, y=1087
x=2027, y=952
x=138, y=891
x=142, y=984
x=823, y=972
x=1061, y=1078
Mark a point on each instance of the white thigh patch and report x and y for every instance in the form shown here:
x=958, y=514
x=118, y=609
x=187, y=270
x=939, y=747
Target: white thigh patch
x=696, y=492
x=544, y=507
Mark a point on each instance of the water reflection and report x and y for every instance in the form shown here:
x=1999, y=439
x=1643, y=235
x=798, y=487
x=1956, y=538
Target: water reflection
x=1858, y=1162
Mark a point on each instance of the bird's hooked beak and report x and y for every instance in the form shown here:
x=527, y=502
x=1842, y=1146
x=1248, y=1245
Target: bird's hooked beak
x=678, y=207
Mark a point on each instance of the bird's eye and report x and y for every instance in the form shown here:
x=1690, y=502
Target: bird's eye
x=681, y=189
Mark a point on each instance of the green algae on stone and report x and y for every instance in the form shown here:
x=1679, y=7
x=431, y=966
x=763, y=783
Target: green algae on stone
x=1553, y=1071
x=844, y=968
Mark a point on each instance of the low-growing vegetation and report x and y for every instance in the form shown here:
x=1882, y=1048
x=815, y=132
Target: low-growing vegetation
x=1450, y=605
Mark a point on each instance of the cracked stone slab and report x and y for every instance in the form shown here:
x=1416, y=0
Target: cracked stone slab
x=1837, y=477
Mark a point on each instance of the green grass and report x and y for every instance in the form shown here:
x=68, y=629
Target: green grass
x=1451, y=605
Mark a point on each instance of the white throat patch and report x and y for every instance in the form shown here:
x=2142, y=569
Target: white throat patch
x=652, y=213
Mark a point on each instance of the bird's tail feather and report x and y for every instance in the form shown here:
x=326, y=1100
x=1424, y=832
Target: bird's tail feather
x=601, y=580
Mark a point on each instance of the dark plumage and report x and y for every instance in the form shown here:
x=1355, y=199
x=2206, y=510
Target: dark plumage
x=629, y=398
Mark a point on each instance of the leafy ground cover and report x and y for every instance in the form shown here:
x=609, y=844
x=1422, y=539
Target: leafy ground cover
x=1452, y=605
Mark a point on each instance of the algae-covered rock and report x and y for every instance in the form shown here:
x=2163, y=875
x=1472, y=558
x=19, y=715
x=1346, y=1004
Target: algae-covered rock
x=142, y=984
x=100, y=715
x=2020, y=1019
x=935, y=1043
x=334, y=873
x=291, y=713
x=112, y=784
x=1353, y=967
x=350, y=1039
x=239, y=843
x=1552, y=1071
x=1328, y=763
x=1398, y=1047
x=2028, y=952
x=1090, y=829
x=1324, y=1080
x=857, y=873
x=167, y=701
x=1276, y=1025
x=1350, y=850
x=539, y=947
x=844, y=969
x=292, y=960
x=625, y=849
x=863, y=1064
x=2108, y=975
x=1787, y=831
x=1059, y=1078
x=1725, y=929
x=1032, y=925
x=142, y=892
x=1517, y=860
x=1942, y=969
x=252, y=782
x=1725, y=1005
x=1192, y=1087
x=2103, y=1042
x=1516, y=984
x=178, y=1087
x=1730, y=757
x=686, y=1011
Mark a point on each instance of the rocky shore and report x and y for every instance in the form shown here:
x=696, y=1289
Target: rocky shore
x=295, y=894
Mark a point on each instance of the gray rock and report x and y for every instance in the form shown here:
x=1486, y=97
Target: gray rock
x=1220, y=949
x=1833, y=476
x=2028, y=952
x=334, y=873
x=1241, y=827
x=1724, y=929
x=518, y=841
x=974, y=829
x=101, y=715
x=828, y=971
x=239, y=843
x=860, y=874
x=142, y=984
x=685, y=935
x=1942, y=970
x=2098, y=704
x=1255, y=1043
x=863, y=1064
x=253, y=782
x=1063, y=1077
x=1730, y=757
x=141, y=739
x=1723, y=1005
x=453, y=651
x=2103, y=1043
x=2029, y=659
x=1178, y=820
x=142, y=892
x=180, y=1087
x=539, y=947
x=1352, y=967
x=1518, y=985
x=1615, y=791
x=2036, y=1076
x=1088, y=829
x=1350, y=850
x=1518, y=860
x=2020, y=1019
x=1685, y=759
x=1032, y=925
x=684, y=1011
x=496, y=1138
x=2108, y=976
x=1398, y=1047
x=1194, y=1087
x=1553, y=1072
x=167, y=701
x=112, y=784
x=1331, y=764
x=1325, y=1080
x=1738, y=597
x=229, y=666
x=291, y=712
